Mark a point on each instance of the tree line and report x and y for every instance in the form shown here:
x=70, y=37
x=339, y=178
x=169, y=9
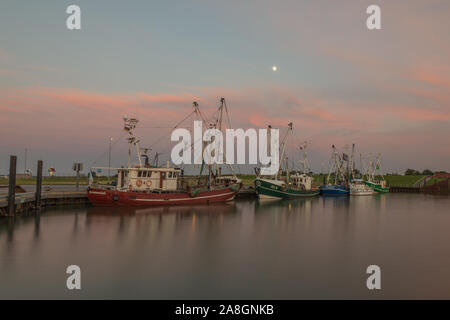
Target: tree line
x=426, y=172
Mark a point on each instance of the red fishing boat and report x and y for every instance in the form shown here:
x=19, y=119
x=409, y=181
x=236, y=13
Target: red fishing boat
x=158, y=186
x=146, y=185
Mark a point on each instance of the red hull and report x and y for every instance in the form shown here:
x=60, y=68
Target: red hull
x=105, y=197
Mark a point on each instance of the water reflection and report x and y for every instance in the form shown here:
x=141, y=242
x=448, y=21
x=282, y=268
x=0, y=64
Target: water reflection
x=305, y=248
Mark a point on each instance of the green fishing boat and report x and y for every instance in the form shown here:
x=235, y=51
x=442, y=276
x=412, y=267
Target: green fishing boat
x=290, y=186
x=378, y=186
x=279, y=189
x=374, y=178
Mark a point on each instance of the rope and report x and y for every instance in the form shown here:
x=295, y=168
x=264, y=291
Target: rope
x=107, y=150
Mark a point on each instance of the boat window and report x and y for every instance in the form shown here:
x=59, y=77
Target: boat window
x=174, y=174
x=170, y=174
x=139, y=174
x=144, y=174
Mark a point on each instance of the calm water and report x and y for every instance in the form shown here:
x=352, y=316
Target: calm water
x=302, y=249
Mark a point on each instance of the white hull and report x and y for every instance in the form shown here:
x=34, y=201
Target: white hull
x=358, y=188
x=266, y=197
x=361, y=193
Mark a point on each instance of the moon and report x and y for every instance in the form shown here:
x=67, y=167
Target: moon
x=274, y=68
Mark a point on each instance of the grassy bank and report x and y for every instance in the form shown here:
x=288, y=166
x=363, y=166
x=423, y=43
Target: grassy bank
x=434, y=180
x=403, y=181
x=392, y=180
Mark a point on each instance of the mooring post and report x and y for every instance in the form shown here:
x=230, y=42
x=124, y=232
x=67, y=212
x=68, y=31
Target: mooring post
x=12, y=186
x=78, y=176
x=39, y=185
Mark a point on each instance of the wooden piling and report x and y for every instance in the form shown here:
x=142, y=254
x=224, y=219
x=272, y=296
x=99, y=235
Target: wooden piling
x=78, y=178
x=38, y=185
x=12, y=186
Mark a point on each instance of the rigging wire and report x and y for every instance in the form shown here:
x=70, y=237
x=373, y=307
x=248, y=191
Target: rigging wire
x=107, y=150
x=176, y=126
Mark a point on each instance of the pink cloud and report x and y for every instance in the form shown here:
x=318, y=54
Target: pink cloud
x=431, y=77
x=73, y=120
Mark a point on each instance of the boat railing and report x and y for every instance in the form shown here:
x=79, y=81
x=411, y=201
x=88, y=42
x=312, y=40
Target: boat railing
x=102, y=186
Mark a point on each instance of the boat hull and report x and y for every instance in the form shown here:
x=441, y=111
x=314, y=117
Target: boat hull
x=106, y=197
x=334, y=190
x=268, y=190
x=377, y=187
x=361, y=193
x=359, y=188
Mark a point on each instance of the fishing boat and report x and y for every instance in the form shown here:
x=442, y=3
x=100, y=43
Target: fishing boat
x=374, y=178
x=141, y=186
x=337, y=182
x=279, y=189
x=378, y=185
x=334, y=190
x=146, y=185
x=359, y=188
x=292, y=186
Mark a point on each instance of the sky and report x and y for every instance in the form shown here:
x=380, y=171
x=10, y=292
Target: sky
x=63, y=92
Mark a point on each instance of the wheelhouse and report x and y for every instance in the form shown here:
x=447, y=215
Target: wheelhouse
x=148, y=179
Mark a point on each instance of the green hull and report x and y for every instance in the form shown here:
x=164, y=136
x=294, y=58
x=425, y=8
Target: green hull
x=274, y=189
x=377, y=187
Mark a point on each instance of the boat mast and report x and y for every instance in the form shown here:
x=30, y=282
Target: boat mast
x=287, y=170
x=205, y=123
x=352, y=176
x=333, y=163
x=283, y=147
x=341, y=171
x=222, y=107
x=378, y=165
x=363, y=171
x=219, y=127
x=338, y=164
x=199, y=113
x=129, y=126
x=305, y=164
x=370, y=170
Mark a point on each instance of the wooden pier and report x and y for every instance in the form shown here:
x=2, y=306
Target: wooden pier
x=25, y=202
x=20, y=202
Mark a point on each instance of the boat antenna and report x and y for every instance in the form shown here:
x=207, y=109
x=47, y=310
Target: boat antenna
x=145, y=156
x=129, y=126
x=155, y=159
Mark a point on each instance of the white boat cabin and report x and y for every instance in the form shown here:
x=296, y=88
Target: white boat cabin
x=302, y=181
x=148, y=179
x=358, y=182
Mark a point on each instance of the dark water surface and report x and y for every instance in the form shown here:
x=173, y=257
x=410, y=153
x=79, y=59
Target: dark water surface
x=302, y=249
